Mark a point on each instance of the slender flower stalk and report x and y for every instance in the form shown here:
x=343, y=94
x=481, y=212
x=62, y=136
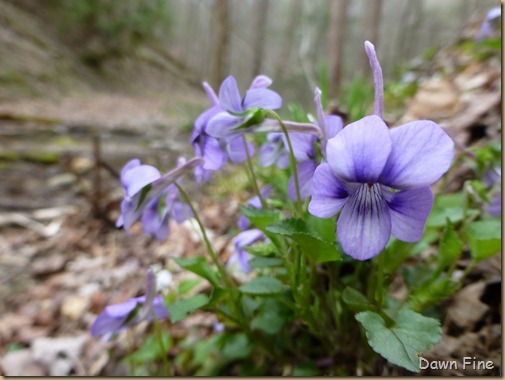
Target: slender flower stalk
x=228, y=281
x=254, y=181
x=322, y=122
x=292, y=159
x=206, y=240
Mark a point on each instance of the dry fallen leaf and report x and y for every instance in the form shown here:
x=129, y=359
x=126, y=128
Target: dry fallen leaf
x=60, y=356
x=21, y=363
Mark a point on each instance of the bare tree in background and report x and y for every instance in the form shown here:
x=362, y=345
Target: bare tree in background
x=371, y=24
x=259, y=31
x=336, y=39
x=220, y=59
x=410, y=21
x=295, y=14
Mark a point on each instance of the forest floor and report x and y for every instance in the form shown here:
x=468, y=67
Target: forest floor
x=62, y=260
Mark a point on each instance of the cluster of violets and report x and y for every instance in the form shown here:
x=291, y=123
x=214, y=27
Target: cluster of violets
x=375, y=178
x=491, y=25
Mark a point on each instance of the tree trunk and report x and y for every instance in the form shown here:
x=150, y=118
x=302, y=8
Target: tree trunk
x=289, y=38
x=220, y=60
x=370, y=29
x=259, y=32
x=336, y=39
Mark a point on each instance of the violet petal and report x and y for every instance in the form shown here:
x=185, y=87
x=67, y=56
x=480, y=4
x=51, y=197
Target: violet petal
x=409, y=210
x=261, y=81
x=329, y=194
x=305, y=171
x=421, y=153
x=359, y=152
x=138, y=177
x=229, y=95
x=222, y=125
x=262, y=98
x=364, y=225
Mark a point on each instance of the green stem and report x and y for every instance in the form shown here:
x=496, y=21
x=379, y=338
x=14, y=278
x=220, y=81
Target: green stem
x=292, y=161
x=254, y=181
x=159, y=339
x=468, y=269
x=380, y=280
x=228, y=281
x=129, y=339
x=206, y=241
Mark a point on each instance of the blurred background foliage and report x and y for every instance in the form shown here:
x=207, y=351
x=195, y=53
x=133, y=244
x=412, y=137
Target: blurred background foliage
x=300, y=44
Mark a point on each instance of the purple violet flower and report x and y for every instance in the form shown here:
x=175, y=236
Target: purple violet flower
x=491, y=179
x=243, y=223
x=214, y=151
x=380, y=178
x=218, y=327
x=490, y=24
x=303, y=149
x=274, y=152
x=240, y=256
x=117, y=318
x=155, y=220
x=144, y=183
x=205, y=146
x=257, y=96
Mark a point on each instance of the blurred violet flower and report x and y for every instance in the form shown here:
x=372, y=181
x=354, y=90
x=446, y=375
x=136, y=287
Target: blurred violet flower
x=380, y=178
x=490, y=25
x=243, y=223
x=117, y=318
x=234, y=107
x=493, y=178
x=155, y=220
x=494, y=207
x=303, y=149
x=218, y=327
x=274, y=152
x=144, y=183
x=240, y=256
x=214, y=151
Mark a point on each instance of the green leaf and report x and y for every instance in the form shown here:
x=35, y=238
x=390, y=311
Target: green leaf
x=403, y=343
x=324, y=227
x=199, y=266
x=450, y=247
x=236, y=346
x=432, y=292
x=185, y=286
x=261, y=249
x=180, y=309
x=480, y=189
x=216, y=295
x=484, y=238
x=262, y=286
x=250, y=305
x=260, y=218
x=311, y=244
x=270, y=318
x=150, y=350
x=448, y=206
x=305, y=369
x=265, y=262
x=355, y=299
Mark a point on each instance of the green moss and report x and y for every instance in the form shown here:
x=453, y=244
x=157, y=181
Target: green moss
x=42, y=157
